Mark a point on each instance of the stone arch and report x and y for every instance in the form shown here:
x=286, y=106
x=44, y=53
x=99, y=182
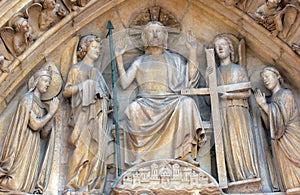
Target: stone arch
x=270, y=49
x=205, y=18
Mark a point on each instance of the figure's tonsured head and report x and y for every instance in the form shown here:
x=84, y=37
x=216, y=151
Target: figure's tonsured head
x=271, y=77
x=155, y=34
x=89, y=45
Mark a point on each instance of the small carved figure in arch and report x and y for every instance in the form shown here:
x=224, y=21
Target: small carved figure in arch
x=74, y=5
x=277, y=16
x=23, y=36
x=266, y=13
x=18, y=35
x=50, y=14
x=245, y=5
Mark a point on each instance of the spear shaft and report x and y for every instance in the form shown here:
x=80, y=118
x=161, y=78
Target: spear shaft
x=115, y=98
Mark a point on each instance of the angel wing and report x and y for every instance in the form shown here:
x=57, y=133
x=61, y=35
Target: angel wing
x=6, y=57
x=7, y=35
x=33, y=13
x=4, y=51
x=69, y=57
x=288, y=17
x=242, y=53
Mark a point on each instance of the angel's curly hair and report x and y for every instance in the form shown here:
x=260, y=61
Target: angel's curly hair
x=18, y=23
x=46, y=3
x=85, y=43
x=229, y=42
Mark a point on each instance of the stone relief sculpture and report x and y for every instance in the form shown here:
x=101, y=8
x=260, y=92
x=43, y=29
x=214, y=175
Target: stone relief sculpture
x=161, y=123
x=281, y=118
x=74, y=5
x=240, y=151
x=2, y=62
x=150, y=133
x=18, y=35
x=277, y=16
x=89, y=96
x=20, y=171
x=165, y=176
x=50, y=14
x=296, y=47
x=245, y=5
x=5, y=58
x=267, y=14
x=45, y=14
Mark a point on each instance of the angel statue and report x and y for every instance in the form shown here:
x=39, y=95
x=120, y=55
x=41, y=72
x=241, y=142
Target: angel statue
x=89, y=95
x=240, y=153
x=24, y=165
x=18, y=35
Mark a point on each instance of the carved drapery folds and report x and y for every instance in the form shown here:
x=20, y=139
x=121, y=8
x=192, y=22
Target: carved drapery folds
x=280, y=17
x=5, y=57
x=32, y=123
x=24, y=28
x=18, y=36
x=45, y=14
x=42, y=24
x=74, y=5
x=281, y=117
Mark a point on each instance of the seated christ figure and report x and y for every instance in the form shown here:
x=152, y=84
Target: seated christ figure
x=161, y=123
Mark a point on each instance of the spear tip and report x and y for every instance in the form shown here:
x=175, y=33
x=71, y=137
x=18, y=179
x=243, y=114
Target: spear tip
x=109, y=25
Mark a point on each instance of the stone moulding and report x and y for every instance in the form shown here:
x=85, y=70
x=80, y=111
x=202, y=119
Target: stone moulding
x=166, y=177
x=282, y=54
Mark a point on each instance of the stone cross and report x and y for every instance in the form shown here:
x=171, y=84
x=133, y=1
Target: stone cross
x=213, y=90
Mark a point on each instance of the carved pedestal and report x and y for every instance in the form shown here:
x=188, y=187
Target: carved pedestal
x=166, y=177
x=246, y=186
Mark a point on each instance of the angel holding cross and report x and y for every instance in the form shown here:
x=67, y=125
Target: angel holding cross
x=235, y=117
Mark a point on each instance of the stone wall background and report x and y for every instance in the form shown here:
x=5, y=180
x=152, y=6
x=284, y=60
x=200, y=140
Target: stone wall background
x=205, y=18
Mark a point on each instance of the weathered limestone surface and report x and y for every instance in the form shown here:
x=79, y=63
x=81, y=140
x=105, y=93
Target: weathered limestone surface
x=58, y=41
